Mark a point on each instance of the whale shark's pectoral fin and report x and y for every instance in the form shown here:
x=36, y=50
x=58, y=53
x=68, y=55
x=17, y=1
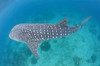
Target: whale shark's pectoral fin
x=62, y=23
x=34, y=47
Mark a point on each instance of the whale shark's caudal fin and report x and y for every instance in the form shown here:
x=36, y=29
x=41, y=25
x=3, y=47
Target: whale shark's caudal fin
x=62, y=23
x=34, y=47
x=85, y=20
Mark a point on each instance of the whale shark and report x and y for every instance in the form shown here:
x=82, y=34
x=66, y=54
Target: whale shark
x=33, y=33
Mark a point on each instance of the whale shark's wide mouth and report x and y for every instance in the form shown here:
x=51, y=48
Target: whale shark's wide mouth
x=13, y=34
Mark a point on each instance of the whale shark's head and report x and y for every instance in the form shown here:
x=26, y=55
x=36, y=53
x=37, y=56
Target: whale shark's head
x=18, y=33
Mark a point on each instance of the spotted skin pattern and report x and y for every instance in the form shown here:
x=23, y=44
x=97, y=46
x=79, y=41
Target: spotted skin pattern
x=33, y=34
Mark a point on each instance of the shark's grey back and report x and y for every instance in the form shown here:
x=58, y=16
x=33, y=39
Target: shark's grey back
x=39, y=32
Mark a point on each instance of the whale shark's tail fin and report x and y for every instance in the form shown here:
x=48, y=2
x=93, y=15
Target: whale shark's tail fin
x=85, y=20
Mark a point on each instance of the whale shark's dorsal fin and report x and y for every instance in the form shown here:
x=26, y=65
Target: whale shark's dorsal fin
x=62, y=23
x=34, y=47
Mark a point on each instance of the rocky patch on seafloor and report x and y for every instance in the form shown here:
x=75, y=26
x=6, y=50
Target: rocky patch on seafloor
x=45, y=46
x=92, y=59
x=77, y=61
x=33, y=60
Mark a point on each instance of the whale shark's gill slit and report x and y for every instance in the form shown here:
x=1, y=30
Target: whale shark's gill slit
x=34, y=46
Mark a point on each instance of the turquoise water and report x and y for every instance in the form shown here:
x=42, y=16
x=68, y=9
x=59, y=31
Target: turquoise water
x=79, y=49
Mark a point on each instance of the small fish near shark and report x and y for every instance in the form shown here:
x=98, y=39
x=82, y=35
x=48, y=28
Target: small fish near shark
x=33, y=34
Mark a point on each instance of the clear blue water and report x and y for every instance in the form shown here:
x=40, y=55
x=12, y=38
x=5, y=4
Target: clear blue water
x=79, y=49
